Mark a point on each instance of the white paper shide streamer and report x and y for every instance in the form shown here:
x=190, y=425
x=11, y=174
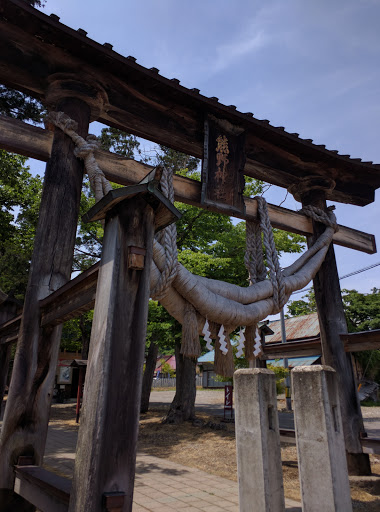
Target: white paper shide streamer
x=257, y=346
x=206, y=335
x=240, y=346
x=222, y=340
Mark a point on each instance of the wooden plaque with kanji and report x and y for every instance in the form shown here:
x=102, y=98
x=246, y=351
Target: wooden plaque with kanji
x=223, y=166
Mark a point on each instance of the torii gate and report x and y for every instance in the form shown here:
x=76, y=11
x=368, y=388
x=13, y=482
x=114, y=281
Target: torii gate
x=88, y=81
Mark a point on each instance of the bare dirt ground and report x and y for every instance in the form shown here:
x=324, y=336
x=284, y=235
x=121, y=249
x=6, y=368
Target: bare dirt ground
x=205, y=446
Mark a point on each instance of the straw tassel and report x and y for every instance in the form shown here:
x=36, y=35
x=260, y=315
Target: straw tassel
x=190, y=346
x=224, y=361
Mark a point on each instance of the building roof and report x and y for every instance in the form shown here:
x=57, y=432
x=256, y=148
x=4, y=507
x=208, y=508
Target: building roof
x=297, y=328
x=207, y=358
x=170, y=359
x=294, y=361
x=142, y=102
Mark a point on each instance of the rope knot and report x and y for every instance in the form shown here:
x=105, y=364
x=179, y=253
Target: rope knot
x=84, y=149
x=62, y=120
x=324, y=217
x=87, y=148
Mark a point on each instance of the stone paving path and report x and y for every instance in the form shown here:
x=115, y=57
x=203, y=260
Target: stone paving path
x=160, y=485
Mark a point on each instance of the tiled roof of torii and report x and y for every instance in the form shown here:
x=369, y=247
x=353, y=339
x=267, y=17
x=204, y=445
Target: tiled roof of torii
x=43, y=46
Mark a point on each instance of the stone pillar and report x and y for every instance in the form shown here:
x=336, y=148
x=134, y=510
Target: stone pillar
x=258, y=441
x=320, y=442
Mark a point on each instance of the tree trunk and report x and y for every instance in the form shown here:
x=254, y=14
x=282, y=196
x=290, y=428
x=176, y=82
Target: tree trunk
x=183, y=406
x=150, y=366
x=85, y=337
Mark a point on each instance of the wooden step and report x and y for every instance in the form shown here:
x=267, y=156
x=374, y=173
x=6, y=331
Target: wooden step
x=46, y=490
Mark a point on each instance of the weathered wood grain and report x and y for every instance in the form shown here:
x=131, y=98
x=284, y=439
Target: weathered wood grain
x=46, y=490
x=36, y=143
x=25, y=139
x=332, y=323
x=357, y=341
x=142, y=102
x=26, y=419
x=71, y=300
x=307, y=348
x=106, y=450
x=223, y=166
x=9, y=330
x=8, y=310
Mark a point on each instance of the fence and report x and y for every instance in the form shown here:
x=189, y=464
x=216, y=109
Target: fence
x=171, y=382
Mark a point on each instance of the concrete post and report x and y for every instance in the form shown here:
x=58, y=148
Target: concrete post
x=320, y=441
x=258, y=441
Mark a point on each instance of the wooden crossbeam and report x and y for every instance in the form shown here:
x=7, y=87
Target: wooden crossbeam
x=353, y=342
x=357, y=341
x=78, y=296
x=45, y=490
x=9, y=330
x=36, y=48
x=306, y=348
x=71, y=300
x=35, y=142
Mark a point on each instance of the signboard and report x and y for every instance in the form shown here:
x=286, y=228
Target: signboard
x=223, y=166
x=228, y=405
x=65, y=375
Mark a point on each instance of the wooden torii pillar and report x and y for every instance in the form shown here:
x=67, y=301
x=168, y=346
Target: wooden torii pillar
x=26, y=416
x=8, y=310
x=106, y=451
x=332, y=321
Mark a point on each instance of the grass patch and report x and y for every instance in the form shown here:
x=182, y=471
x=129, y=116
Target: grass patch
x=370, y=403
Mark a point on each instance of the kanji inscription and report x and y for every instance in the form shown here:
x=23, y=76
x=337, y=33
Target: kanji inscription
x=223, y=165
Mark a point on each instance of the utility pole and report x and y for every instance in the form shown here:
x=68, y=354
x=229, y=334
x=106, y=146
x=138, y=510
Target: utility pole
x=286, y=365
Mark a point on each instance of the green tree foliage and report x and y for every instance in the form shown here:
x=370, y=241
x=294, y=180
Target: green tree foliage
x=76, y=333
x=166, y=369
x=36, y=3
x=362, y=311
x=162, y=328
x=112, y=139
x=301, y=306
x=18, y=105
x=363, y=314
x=20, y=195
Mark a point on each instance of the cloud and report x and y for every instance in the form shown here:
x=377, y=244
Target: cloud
x=232, y=51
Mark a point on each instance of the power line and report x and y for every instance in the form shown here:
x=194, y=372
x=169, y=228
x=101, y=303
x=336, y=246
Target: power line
x=347, y=275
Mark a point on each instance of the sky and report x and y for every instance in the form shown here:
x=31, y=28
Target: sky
x=310, y=66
